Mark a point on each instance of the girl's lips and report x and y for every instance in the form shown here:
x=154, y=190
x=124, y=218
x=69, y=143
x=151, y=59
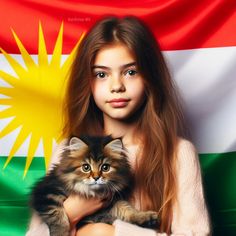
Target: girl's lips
x=119, y=103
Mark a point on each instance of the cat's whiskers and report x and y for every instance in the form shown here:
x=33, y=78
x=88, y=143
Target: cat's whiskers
x=114, y=189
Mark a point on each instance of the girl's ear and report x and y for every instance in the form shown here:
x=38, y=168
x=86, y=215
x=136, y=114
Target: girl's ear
x=76, y=144
x=115, y=145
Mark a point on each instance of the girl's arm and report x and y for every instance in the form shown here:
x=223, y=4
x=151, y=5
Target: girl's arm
x=190, y=211
x=97, y=229
x=76, y=208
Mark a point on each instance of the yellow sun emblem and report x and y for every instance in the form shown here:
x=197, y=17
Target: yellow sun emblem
x=34, y=97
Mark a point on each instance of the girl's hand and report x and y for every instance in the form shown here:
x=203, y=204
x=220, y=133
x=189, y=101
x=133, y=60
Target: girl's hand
x=77, y=207
x=96, y=229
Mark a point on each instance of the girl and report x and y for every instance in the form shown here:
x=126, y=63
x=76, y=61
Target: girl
x=120, y=85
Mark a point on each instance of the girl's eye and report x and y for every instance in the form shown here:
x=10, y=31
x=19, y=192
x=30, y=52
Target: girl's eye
x=86, y=167
x=131, y=72
x=100, y=75
x=105, y=167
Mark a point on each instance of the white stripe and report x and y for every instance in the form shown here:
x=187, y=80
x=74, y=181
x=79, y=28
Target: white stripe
x=206, y=78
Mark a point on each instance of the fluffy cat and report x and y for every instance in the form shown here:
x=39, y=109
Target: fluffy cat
x=91, y=167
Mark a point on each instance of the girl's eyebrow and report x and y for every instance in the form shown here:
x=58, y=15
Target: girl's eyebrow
x=121, y=67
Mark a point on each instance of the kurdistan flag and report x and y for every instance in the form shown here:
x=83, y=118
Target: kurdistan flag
x=38, y=41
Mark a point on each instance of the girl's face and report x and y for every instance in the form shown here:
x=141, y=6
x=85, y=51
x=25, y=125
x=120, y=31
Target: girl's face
x=117, y=86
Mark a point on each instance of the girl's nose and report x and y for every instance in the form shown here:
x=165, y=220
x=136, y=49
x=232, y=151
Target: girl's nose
x=117, y=84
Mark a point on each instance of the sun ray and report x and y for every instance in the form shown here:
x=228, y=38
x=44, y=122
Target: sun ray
x=35, y=98
x=29, y=62
x=14, y=124
x=7, y=91
x=17, y=144
x=56, y=56
x=5, y=101
x=18, y=68
x=42, y=51
x=34, y=142
x=8, y=78
x=8, y=112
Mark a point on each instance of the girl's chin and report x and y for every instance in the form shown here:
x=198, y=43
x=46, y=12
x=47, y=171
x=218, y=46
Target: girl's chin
x=126, y=118
x=119, y=115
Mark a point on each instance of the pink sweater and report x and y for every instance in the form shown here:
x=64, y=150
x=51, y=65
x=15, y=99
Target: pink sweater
x=190, y=216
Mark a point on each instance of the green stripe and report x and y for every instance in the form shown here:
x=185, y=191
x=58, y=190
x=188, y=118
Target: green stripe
x=14, y=210
x=219, y=177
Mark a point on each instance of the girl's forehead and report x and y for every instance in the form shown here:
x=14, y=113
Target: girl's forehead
x=114, y=55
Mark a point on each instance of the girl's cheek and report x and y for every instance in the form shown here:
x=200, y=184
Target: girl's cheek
x=136, y=89
x=99, y=91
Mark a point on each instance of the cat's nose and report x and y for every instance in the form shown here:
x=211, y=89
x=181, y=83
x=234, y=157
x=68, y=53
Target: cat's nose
x=96, y=178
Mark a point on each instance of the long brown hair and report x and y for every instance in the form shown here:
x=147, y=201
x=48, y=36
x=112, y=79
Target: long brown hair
x=160, y=118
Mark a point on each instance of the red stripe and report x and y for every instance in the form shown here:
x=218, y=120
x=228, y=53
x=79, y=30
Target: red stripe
x=178, y=24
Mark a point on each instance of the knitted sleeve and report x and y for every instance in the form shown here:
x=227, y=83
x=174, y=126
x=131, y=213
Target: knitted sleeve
x=190, y=216
x=37, y=227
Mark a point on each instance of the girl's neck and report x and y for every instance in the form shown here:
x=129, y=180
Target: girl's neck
x=128, y=131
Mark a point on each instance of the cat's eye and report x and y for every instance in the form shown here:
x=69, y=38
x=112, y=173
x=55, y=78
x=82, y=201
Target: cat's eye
x=86, y=167
x=105, y=167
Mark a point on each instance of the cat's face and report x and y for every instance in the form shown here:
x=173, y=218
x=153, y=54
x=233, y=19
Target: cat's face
x=96, y=166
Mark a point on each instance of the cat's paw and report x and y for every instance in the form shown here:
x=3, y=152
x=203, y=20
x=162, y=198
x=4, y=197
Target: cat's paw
x=147, y=219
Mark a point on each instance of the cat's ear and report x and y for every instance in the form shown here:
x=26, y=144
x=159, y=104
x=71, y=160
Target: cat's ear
x=76, y=144
x=115, y=145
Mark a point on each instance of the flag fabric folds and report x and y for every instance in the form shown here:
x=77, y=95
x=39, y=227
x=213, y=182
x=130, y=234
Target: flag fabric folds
x=37, y=43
